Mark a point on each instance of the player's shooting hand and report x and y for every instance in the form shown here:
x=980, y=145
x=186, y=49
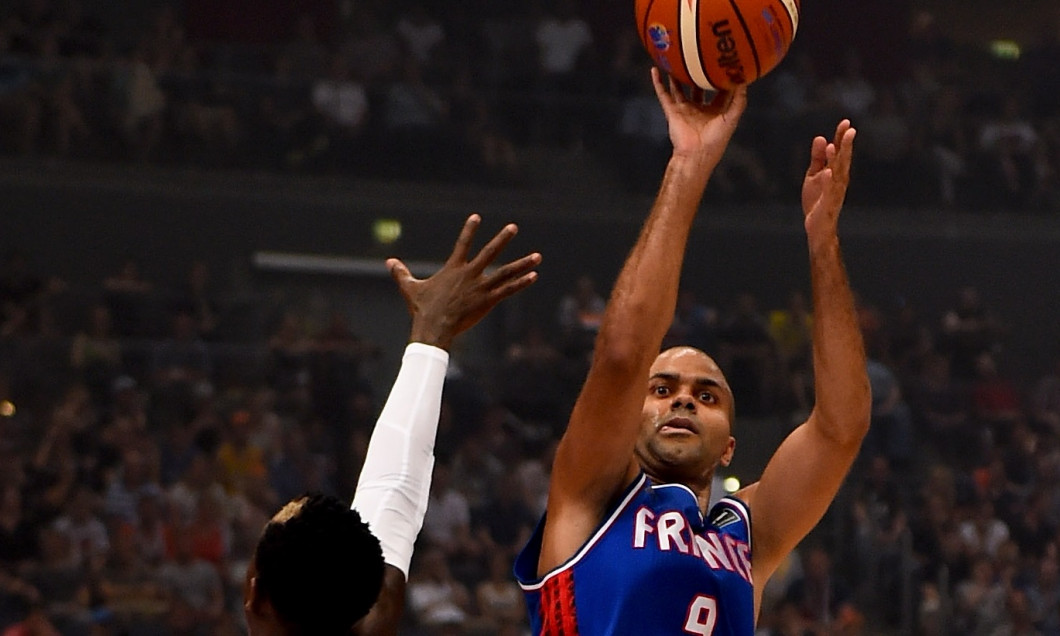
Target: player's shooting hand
x=462, y=292
x=827, y=178
x=698, y=129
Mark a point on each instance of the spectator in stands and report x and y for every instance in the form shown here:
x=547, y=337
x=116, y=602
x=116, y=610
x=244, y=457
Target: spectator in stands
x=198, y=294
x=943, y=410
x=746, y=352
x=129, y=588
x=1008, y=145
x=498, y=597
x=193, y=589
x=564, y=48
x=580, y=311
x=1044, y=401
x=791, y=330
x=891, y=433
x=996, y=401
x=341, y=109
x=447, y=524
x=421, y=34
x=886, y=150
x=62, y=582
x=142, y=104
x=851, y=92
x=131, y=479
x=947, y=139
x=979, y=601
x=179, y=363
x=504, y=522
x=967, y=330
x=96, y=354
x=532, y=381
x=89, y=540
x=821, y=599
x=126, y=293
x=435, y=598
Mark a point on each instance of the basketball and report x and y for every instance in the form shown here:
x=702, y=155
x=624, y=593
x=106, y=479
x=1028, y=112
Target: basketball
x=717, y=44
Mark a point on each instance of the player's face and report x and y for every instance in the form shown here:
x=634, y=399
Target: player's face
x=685, y=428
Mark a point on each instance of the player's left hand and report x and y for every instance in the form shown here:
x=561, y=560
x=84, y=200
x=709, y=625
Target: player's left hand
x=827, y=178
x=462, y=292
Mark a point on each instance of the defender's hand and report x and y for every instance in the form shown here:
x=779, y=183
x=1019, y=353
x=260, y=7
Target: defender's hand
x=461, y=293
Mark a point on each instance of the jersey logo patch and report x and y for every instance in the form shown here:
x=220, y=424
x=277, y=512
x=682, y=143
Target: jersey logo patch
x=724, y=518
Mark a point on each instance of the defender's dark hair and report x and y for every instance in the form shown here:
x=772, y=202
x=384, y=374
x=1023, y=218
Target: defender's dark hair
x=321, y=569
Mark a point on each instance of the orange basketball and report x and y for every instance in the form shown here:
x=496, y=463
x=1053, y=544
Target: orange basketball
x=717, y=44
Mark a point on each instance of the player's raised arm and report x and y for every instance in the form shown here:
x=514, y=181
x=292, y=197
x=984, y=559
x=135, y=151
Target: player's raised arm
x=394, y=483
x=594, y=459
x=805, y=473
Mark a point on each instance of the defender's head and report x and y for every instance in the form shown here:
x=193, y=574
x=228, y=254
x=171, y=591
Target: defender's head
x=686, y=426
x=317, y=569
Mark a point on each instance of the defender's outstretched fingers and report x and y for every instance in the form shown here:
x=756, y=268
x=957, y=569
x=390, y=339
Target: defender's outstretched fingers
x=463, y=242
x=512, y=270
x=403, y=277
x=489, y=253
x=513, y=286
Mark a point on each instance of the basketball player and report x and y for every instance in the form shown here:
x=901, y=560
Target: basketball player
x=627, y=544
x=320, y=566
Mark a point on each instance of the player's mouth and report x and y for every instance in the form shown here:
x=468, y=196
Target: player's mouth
x=679, y=426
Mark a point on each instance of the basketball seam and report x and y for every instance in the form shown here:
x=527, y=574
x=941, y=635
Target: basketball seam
x=702, y=59
x=644, y=26
x=750, y=38
x=791, y=19
x=680, y=33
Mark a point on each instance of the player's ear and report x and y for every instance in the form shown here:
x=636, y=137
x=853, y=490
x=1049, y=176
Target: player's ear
x=726, y=457
x=254, y=602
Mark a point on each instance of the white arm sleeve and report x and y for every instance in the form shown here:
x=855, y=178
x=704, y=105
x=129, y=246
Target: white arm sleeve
x=395, y=482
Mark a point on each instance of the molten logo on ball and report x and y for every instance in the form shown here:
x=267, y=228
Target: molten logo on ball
x=728, y=58
x=660, y=37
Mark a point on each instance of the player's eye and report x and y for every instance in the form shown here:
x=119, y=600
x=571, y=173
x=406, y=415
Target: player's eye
x=707, y=397
x=661, y=390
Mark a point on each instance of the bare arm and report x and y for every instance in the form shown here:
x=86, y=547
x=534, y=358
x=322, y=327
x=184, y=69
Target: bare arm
x=594, y=458
x=448, y=303
x=804, y=475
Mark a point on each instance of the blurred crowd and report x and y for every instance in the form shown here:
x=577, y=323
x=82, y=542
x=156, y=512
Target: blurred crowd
x=415, y=89
x=142, y=449
x=143, y=446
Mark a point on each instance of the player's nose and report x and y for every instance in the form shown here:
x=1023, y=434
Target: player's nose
x=683, y=401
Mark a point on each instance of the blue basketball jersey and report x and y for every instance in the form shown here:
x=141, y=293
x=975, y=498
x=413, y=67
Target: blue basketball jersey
x=654, y=566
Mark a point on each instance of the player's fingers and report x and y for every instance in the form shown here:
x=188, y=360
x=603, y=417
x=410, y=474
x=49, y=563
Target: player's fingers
x=488, y=253
x=403, y=277
x=463, y=242
x=738, y=100
x=677, y=92
x=845, y=150
x=399, y=272
x=512, y=270
x=512, y=287
x=818, y=155
x=661, y=92
x=840, y=130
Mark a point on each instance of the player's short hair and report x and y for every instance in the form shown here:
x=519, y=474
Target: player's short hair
x=321, y=568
